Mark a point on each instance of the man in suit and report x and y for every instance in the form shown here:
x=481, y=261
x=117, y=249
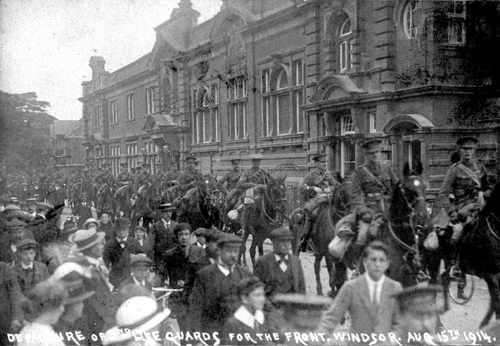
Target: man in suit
x=368, y=298
x=214, y=296
x=163, y=238
x=279, y=270
x=117, y=252
x=10, y=303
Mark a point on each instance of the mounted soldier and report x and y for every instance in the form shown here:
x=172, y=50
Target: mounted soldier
x=190, y=177
x=124, y=177
x=465, y=184
x=255, y=174
x=142, y=176
x=372, y=182
x=105, y=176
x=318, y=186
x=230, y=180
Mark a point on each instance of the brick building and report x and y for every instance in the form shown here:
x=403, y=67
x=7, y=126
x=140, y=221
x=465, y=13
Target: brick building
x=68, y=150
x=291, y=78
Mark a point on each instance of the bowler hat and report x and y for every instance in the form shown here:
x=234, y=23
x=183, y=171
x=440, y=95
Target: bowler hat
x=467, y=142
x=420, y=298
x=228, y=239
x=136, y=316
x=140, y=260
x=282, y=233
x=86, y=238
x=26, y=243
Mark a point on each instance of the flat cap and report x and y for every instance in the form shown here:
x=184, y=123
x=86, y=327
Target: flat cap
x=420, y=299
x=372, y=143
x=140, y=259
x=122, y=222
x=467, y=142
x=26, y=243
x=228, y=239
x=302, y=301
x=282, y=233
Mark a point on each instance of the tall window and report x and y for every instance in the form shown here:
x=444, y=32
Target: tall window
x=237, y=108
x=347, y=145
x=114, y=112
x=456, y=12
x=132, y=154
x=345, y=34
x=114, y=150
x=130, y=107
x=267, y=124
x=206, y=114
x=151, y=151
x=97, y=117
x=282, y=104
x=151, y=96
x=409, y=27
x=99, y=156
x=372, y=120
x=297, y=95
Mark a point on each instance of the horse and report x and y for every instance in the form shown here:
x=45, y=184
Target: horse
x=261, y=213
x=322, y=233
x=479, y=251
x=123, y=203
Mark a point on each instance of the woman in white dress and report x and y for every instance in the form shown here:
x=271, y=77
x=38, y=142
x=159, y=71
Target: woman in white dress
x=46, y=307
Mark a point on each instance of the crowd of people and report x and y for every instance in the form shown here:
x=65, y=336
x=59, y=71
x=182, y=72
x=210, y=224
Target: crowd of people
x=96, y=280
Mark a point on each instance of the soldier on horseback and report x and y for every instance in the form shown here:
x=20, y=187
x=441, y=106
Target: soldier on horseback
x=255, y=174
x=462, y=195
x=124, y=177
x=190, y=177
x=230, y=180
x=105, y=177
x=318, y=184
x=142, y=176
x=372, y=182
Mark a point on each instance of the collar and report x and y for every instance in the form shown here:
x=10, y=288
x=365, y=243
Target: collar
x=94, y=261
x=278, y=257
x=373, y=283
x=246, y=317
x=223, y=268
x=122, y=240
x=201, y=245
x=26, y=267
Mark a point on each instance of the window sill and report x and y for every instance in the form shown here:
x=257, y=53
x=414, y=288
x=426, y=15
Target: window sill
x=235, y=141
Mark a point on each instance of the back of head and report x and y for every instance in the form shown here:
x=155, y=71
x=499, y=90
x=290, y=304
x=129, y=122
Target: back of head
x=44, y=297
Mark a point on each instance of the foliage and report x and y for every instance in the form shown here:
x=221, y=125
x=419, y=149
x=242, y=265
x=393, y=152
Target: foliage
x=25, y=142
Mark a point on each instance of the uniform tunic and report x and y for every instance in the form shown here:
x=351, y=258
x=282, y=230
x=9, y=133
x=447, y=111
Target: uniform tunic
x=372, y=187
x=189, y=178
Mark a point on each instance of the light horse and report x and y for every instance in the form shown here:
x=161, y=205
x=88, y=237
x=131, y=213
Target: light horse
x=322, y=233
x=261, y=213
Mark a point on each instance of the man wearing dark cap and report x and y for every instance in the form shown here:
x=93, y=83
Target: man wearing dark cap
x=465, y=182
x=214, y=296
x=29, y=272
x=190, y=176
x=372, y=182
x=230, y=179
x=419, y=310
x=117, y=252
x=279, y=270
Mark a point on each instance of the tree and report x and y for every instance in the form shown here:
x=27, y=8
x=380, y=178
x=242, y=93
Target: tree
x=25, y=141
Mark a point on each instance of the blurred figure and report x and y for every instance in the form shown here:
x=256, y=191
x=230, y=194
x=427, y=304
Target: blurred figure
x=28, y=271
x=145, y=241
x=106, y=226
x=10, y=303
x=46, y=306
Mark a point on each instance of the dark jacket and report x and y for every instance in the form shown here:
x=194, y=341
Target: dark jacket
x=10, y=299
x=267, y=269
x=214, y=297
x=27, y=279
x=117, y=258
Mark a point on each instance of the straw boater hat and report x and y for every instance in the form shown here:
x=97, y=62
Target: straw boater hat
x=89, y=221
x=135, y=316
x=86, y=238
x=73, y=276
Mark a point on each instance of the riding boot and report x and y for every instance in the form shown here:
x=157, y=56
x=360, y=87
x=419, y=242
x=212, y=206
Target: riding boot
x=307, y=227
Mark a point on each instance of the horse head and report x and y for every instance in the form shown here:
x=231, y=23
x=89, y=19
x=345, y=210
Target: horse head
x=409, y=196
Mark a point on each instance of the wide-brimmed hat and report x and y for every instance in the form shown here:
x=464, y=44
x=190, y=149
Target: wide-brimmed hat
x=44, y=206
x=228, y=239
x=89, y=221
x=421, y=299
x=86, y=238
x=135, y=316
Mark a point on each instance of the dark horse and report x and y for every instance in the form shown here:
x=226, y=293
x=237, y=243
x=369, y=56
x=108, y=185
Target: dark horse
x=322, y=233
x=479, y=250
x=262, y=212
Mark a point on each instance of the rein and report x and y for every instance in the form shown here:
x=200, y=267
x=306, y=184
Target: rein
x=491, y=228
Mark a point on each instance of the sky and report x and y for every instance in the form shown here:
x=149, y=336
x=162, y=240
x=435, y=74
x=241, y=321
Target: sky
x=45, y=45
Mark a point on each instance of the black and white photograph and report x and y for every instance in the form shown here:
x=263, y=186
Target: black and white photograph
x=249, y=172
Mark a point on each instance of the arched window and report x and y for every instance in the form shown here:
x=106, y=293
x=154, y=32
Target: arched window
x=345, y=33
x=282, y=80
x=206, y=115
x=409, y=27
x=281, y=102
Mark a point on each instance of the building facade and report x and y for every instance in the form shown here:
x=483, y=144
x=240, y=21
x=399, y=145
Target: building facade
x=290, y=78
x=68, y=146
